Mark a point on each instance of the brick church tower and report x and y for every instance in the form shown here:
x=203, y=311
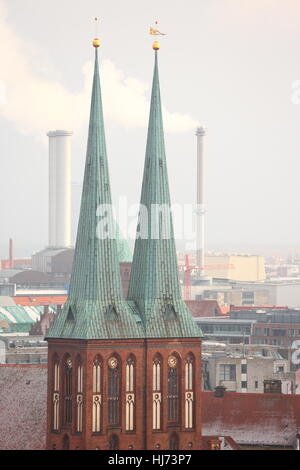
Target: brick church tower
x=124, y=374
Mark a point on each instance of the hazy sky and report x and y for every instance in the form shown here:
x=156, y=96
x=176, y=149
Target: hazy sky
x=228, y=64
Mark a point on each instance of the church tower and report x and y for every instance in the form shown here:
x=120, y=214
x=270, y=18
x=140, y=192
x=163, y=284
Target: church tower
x=124, y=374
x=172, y=338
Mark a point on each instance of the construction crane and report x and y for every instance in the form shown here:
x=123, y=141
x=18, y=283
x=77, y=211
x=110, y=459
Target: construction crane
x=187, y=278
x=187, y=268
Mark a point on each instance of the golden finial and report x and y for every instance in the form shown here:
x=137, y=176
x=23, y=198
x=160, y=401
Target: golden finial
x=156, y=32
x=96, y=41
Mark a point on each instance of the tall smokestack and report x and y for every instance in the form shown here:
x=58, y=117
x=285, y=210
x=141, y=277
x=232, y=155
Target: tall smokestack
x=200, y=133
x=11, y=254
x=60, y=188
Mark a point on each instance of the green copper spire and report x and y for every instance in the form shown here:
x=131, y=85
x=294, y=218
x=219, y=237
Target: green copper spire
x=154, y=284
x=95, y=308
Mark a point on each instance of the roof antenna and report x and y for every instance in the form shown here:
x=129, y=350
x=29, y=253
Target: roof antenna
x=96, y=27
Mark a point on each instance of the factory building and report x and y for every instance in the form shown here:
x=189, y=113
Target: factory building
x=53, y=260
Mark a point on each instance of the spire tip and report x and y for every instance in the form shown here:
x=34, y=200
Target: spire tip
x=155, y=32
x=96, y=41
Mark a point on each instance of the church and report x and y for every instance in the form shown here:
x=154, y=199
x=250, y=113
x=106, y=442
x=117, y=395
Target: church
x=124, y=374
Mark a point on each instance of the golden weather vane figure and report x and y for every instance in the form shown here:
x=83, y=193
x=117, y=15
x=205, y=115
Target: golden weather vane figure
x=156, y=32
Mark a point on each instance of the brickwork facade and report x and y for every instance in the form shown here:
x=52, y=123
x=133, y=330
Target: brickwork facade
x=115, y=436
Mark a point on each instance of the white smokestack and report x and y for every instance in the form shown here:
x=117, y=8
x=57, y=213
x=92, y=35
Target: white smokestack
x=60, y=188
x=200, y=133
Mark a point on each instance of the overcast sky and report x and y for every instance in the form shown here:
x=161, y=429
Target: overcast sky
x=230, y=65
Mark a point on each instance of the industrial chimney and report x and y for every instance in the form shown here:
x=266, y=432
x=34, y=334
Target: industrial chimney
x=60, y=188
x=11, y=254
x=200, y=133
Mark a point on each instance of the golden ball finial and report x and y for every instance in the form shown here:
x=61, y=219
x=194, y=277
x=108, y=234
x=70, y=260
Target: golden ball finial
x=96, y=42
x=156, y=46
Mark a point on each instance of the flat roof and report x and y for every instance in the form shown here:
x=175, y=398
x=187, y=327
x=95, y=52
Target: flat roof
x=222, y=320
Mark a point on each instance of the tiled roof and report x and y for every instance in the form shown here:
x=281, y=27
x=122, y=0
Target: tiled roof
x=20, y=318
x=252, y=418
x=227, y=442
x=9, y=273
x=40, y=300
x=23, y=407
x=204, y=308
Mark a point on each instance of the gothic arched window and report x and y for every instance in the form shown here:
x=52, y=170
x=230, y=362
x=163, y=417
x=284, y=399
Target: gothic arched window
x=173, y=389
x=79, y=397
x=156, y=388
x=157, y=374
x=130, y=375
x=56, y=392
x=97, y=396
x=130, y=396
x=97, y=374
x=114, y=370
x=189, y=391
x=68, y=374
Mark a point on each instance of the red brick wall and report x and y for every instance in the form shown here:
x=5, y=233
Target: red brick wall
x=144, y=351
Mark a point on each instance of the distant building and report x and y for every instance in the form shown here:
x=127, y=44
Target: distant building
x=238, y=267
x=206, y=308
x=26, y=350
x=16, y=264
x=281, y=292
x=227, y=266
x=245, y=369
x=278, y=327
x=226, y=330
x=266, y=326
x=53, y=260
x=30, y=315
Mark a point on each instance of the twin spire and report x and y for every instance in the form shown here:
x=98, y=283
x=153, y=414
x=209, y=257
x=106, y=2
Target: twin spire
x=95, y=308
